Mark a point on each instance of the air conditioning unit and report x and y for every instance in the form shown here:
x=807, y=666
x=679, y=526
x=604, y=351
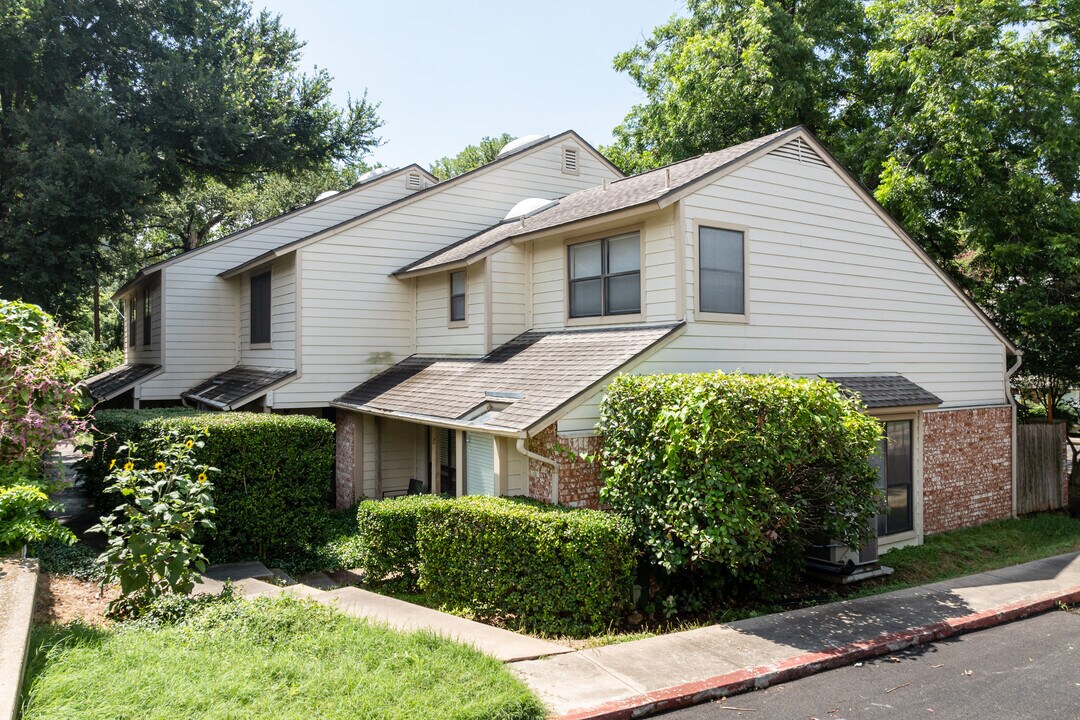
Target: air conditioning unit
x=834, y=560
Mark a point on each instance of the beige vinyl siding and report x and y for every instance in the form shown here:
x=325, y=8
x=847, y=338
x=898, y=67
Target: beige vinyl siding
x=658, y=276
x=201, y=309
x=434, y=336
x=509, y=293
x=832, y=290
x=357, y=319
x=282, y=351
x=141, y=353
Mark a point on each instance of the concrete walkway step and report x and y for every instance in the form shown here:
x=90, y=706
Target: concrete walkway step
x=319, y=580
x=238, y=571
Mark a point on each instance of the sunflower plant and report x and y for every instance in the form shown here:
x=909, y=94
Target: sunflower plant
x=151, y=549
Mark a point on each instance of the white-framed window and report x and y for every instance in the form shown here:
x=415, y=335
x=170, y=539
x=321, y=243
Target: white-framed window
x=721, y=271
x=457, y=296
x=132, y=318
x=605, y=276
x=895, y=467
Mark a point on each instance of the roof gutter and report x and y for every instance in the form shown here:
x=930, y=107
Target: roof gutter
x=547, y=461
x=428, y=420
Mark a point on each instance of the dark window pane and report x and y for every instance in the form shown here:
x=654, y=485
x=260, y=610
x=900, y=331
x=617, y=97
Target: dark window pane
x=899, y=434
x=260, y=308
x=897, y=475
x=585, y=260
x=721, y=270
x=585, y=298
x=623, y=294
x=899, y=508
x=457, y=308
x=623, y=254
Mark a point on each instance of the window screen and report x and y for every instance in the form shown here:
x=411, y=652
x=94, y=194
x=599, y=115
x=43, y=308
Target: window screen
x=720, y=273
x=260, y=308
x=457, y=296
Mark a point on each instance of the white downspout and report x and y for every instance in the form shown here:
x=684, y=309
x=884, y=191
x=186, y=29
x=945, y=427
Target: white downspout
x=1012, y=404
x=546, y=460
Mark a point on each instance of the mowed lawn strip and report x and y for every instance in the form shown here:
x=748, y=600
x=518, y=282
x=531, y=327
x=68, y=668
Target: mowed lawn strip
x=280, y=658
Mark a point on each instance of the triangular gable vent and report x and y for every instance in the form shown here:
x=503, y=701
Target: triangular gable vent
x=413, y=181
x=799, y=151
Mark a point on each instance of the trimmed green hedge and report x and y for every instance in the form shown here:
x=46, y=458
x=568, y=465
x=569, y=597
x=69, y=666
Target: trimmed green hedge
x=388, y=547
x=273, y=487
x=537, y=567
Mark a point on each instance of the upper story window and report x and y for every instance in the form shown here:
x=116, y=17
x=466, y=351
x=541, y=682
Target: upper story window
x=605, y=276
x=147, y=316
x=721, y=270
x=457, y=296
x=132, y=317
x=260, y=308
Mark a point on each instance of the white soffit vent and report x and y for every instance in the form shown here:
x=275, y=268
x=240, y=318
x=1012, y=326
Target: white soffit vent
x=326, y=194
x=372, y=174
x=521, y=143
x=529, y=206
x=570, y=161
x=414, y=181
x=800, y=152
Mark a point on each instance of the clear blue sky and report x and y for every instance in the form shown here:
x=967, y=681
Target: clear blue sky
x=448, y=73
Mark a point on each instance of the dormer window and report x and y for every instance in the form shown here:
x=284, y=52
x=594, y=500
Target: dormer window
x=261, y=300
x=605, y=276
x=457, y=296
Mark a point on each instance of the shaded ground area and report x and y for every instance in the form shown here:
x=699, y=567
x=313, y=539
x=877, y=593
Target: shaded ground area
x=77, y=511
x=1026, y=669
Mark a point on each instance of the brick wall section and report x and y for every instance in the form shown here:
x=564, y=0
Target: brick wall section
x=345, y=443
x=579, y=481
x=967, y=467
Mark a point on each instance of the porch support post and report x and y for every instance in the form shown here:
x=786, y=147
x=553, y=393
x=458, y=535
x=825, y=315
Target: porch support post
x=436, y=463
x=459, y=439
x=502, y=464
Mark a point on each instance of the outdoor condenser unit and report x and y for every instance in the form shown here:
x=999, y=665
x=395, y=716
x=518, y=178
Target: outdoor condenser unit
x=840, y=562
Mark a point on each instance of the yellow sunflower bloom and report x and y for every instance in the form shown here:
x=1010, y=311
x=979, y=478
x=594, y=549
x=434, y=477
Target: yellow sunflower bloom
x=112, y=463
x=129, y=466
x=159, y=466
x=202, y=478
x=189, y=444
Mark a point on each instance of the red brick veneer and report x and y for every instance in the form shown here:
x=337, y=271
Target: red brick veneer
x=579, y=480
x=967, y=467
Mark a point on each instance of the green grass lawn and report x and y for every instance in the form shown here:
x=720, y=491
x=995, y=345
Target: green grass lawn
x=281, y=659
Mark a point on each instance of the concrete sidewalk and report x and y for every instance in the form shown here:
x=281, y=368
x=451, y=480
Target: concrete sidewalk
x=643, y=677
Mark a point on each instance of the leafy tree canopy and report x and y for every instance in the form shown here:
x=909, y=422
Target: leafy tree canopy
x=472, y=157
x=108, y=106
x=960, y=115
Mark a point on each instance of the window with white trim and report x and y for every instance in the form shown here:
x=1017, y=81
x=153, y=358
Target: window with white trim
x=457, y=296
x=605, y=276
x=721, y=271
x=132, y=317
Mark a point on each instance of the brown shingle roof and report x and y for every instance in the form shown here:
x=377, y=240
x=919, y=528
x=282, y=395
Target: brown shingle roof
x=237, y=386
x=536, y=373
x=602, y=199
x=883, y=391
x=111, y=383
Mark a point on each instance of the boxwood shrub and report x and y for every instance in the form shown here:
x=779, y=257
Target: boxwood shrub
x=544, y=569
x=273, y=485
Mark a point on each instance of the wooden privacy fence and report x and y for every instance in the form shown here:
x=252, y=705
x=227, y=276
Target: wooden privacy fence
x=1040, y=467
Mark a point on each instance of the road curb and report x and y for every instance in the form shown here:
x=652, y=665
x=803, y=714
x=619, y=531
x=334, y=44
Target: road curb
x=800, y=666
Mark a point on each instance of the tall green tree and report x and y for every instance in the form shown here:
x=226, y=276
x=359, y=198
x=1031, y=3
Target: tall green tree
x=473, y=156
x=733, y=70
x=107, y=106
x=977, y=151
